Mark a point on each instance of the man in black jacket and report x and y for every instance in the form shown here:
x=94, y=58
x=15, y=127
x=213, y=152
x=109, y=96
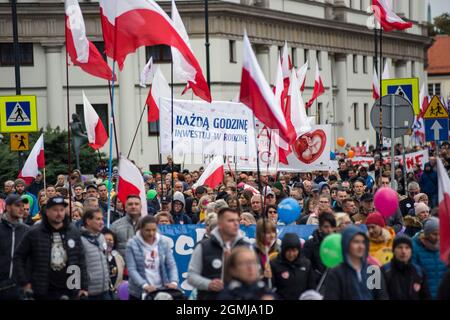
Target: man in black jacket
x=311, y=249
x=404, y=279
x=54, y=252
x=291, y=273
x=353, y=279
x=12, y=231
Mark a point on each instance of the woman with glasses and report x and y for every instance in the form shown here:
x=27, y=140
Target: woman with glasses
x=242, y=277
x=272, y=214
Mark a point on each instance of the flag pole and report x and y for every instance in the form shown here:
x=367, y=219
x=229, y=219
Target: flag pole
x=381, y=65
x=45, y=184
x=136, y=132
x=171, y=126
x=69, y=147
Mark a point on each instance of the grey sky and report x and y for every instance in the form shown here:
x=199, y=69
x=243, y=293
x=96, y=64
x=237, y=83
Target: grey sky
x=437, y=7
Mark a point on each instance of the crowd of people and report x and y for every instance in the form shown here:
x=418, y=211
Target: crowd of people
x=54, y=243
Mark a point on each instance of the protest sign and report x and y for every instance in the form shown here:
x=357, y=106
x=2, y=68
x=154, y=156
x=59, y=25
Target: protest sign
x=415, y=158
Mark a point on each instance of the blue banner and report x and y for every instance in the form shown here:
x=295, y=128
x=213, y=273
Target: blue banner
x=185, y=237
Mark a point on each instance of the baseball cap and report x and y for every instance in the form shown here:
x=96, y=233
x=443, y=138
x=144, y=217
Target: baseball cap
x=297, y=185
x=92, y=185
x=15, y=199
x=166, y=199
x=56, y=201
x=315, y=187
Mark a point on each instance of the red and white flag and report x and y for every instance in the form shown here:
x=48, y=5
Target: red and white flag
x=83, y=52
x=386, y=16
x=147, y=73
x=375, y=85
x=423, y=100
x=159, y=89
x=444, y=210
x=295, y=108
x=318, y=87
x=248, y=187
x=130, y=24
x=280, y=91
x=213, y=174
x=301, y=75
x=255, y=93
x=386, y=73
x=35, y=161
x=131, y=182
x=286, y=65
x=97, y=135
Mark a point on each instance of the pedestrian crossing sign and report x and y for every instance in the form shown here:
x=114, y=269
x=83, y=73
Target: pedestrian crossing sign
x=408, y=88
x=18, y=114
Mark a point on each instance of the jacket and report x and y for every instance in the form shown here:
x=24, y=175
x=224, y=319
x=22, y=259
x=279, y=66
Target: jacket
x=35, y=249
x=381, y=249
x=207, y=262
x=291, y=279
x=428, y=183
x=35, y=187
x=96, y=263
x=136, y=264
x=311, y=251
x=428, y=259
x=396, y=221
x=124, y=230
x=10, y=236
x=412, y=225
x=405, y=281
x=444, y=287
x=343, y=283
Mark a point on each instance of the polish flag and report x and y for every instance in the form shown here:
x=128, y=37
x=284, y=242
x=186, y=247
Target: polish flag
x=386, y=16
x=213, y=174
x=295, y=108
x=147, y=73
x=82, y=52
x=35, y=161
x=375, y=85
x=280, y=91
x=255, y=93
x=444, y=210
x=301, y=75
x=286, y=65
x=130, y=24
x=159, y=89
x=131, y=182
x=318, y=87
x=245, y=186
x=97, y=135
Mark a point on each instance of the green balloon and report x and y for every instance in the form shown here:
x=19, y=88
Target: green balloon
x=108, y=186
x=29, y=198
x=148, y=172
x=331, y=250
x=151, y=194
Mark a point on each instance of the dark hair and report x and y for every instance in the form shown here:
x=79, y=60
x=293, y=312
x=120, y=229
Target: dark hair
x=106, y=231
x=359, y=180
x=78, y=185
x=146, y=220
x=225, y=210
x=263, y=226
x=344, y=202
x=102, y=185
x=135, y=196
x=50, y=186
x=270, y=206
x=89, y=214
x=327, y=217
x=63, y=191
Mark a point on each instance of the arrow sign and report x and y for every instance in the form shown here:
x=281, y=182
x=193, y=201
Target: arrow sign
x=436, y=127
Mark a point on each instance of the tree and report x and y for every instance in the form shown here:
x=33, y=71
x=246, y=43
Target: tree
x=442, y=24
x=56, y=156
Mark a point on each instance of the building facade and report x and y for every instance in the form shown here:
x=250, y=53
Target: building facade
x=333, y=32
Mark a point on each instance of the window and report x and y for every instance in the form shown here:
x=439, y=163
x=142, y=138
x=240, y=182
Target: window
x=355, y=116
x=319, y=59
x=100, y=45
x=434, y=89
x=153, y=128
x=294, y=57
x=365, y=67
x=366, y=116
x=7, y=54
x=306, y=58
x=160, y=54
x=319, y=113
x=100, y=108
x=413, y=68
x=355, y=63
x=232, y=45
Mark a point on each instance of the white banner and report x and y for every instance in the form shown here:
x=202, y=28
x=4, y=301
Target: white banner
x=419, y=158
x=201, y=128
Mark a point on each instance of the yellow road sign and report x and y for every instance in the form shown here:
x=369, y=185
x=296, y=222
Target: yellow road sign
x=19, y=142
x=18, y=114
x=435, y=109
x=408, y=88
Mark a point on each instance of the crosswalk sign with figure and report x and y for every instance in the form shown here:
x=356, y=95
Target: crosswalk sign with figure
x=408, y=88
x=18, y=114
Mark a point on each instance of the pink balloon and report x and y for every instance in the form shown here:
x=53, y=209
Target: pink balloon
x=386, y=201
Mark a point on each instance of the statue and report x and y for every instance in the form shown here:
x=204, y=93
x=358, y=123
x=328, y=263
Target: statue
x=79, y=137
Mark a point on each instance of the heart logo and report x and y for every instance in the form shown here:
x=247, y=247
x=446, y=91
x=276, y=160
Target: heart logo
x=309, y=146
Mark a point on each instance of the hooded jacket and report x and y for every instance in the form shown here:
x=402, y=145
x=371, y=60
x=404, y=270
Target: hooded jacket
x=429, y=260
x=311, y=250
x=343, y=281
x=96, y=262
x=405, y=281
x=180, y=217
x=10, y=236
x=292, y=278
x=124, y=230
x=207, y=263
x=35, y=249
